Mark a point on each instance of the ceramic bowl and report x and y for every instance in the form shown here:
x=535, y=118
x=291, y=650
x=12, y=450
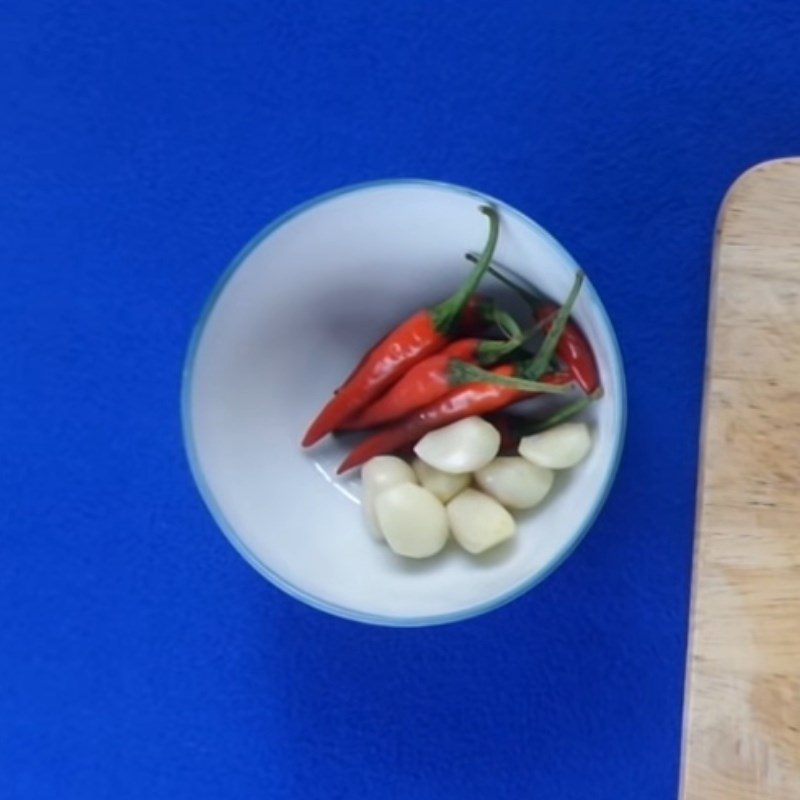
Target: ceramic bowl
x=286, y=323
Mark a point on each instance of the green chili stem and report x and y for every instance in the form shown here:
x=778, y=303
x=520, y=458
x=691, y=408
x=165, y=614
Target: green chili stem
x=490, y=352
x=447, y=312
x=489, y=312
x=507, y=324
x=542, y=359
x=461, y=372
x=502, y=319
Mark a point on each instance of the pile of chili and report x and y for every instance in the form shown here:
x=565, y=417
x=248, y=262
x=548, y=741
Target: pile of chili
x=430, y=379
x=573, y=348
x=425, y=333
x=433, y=369
x=483, y=392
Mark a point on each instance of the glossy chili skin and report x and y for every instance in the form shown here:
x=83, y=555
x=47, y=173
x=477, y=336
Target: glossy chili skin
x=407, y=345
x=573, y=349
x=472, y=399
x=476, y=316
x=422, y=384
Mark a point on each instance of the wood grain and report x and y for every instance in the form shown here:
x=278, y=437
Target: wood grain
x=742, y=717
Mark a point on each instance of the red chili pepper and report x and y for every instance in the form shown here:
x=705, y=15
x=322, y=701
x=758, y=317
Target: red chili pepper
x=574, y=350
x=573, y=346
x=424, y=334
x=472, y=399
x=477, y=314
x=430, y=379
x=421, y=385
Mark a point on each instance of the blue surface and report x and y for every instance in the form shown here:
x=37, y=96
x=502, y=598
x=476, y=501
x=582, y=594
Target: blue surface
x=143, y=144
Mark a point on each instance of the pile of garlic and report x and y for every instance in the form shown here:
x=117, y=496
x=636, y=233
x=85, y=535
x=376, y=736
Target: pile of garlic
x=415, y=507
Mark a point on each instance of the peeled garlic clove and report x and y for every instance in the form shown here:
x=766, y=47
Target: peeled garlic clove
x=413, y=521
x=444, y=485
x=462, y=446
x=515, y=482
x=559, y=448
x=478, y=521
x=379, y=473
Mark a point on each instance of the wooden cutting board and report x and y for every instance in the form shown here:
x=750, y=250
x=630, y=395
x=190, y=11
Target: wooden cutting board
x=742, y=717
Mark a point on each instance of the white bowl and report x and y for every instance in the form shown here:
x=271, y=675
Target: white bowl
x=284, y=326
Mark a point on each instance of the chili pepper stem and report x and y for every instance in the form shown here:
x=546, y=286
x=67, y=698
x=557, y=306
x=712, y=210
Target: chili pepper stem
x=507, y=324
x=461, y=372
x=545, y=354
x=559, y=321
x=446, y=313
x=490, y=352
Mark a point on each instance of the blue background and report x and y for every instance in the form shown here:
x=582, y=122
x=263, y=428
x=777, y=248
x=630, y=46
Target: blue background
x=143, y=144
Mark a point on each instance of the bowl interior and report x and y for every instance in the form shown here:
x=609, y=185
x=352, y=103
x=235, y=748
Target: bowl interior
x=286, y=324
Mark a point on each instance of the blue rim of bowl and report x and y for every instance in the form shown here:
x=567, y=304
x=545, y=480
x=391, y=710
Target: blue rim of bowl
x=274, y=578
